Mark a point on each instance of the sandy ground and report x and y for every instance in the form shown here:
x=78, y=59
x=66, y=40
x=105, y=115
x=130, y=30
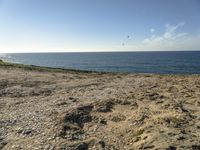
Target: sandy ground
x=80, y=111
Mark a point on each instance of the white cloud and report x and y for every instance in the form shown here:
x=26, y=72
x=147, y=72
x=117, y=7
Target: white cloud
x=172, y=38
x=168, y=39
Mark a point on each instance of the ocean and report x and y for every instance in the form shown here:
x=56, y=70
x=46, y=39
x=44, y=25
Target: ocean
x=176, y=62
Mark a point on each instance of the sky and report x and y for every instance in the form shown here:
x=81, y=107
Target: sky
x=99, y=25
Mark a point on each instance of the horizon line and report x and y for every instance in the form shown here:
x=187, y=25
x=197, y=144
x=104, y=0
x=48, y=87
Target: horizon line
x=101, y=51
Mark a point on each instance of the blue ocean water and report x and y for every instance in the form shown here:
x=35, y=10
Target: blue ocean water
x=182, y=62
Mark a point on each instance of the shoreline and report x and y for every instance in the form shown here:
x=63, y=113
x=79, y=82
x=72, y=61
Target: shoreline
x=50, y=69
x=55, y=69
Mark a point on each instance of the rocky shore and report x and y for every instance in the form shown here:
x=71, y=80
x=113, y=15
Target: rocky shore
x=47, y=109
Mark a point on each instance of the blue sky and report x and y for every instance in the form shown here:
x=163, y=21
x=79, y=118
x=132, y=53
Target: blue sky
x=99, y=25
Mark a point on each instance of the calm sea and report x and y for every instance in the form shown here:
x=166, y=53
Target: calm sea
x=138, y=62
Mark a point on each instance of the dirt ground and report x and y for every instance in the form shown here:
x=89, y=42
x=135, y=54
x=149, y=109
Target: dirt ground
x=98, y=111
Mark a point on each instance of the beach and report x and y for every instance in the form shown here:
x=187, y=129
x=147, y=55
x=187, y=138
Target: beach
x=50, y=109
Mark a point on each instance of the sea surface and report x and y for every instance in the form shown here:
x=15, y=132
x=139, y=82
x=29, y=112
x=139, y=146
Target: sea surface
x=182, y=62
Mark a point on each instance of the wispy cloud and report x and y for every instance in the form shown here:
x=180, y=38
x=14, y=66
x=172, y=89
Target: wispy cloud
x=167, y=39
x=172, y=38
x=171, y=34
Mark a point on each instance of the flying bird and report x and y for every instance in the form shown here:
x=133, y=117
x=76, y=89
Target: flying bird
x=127, y=37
